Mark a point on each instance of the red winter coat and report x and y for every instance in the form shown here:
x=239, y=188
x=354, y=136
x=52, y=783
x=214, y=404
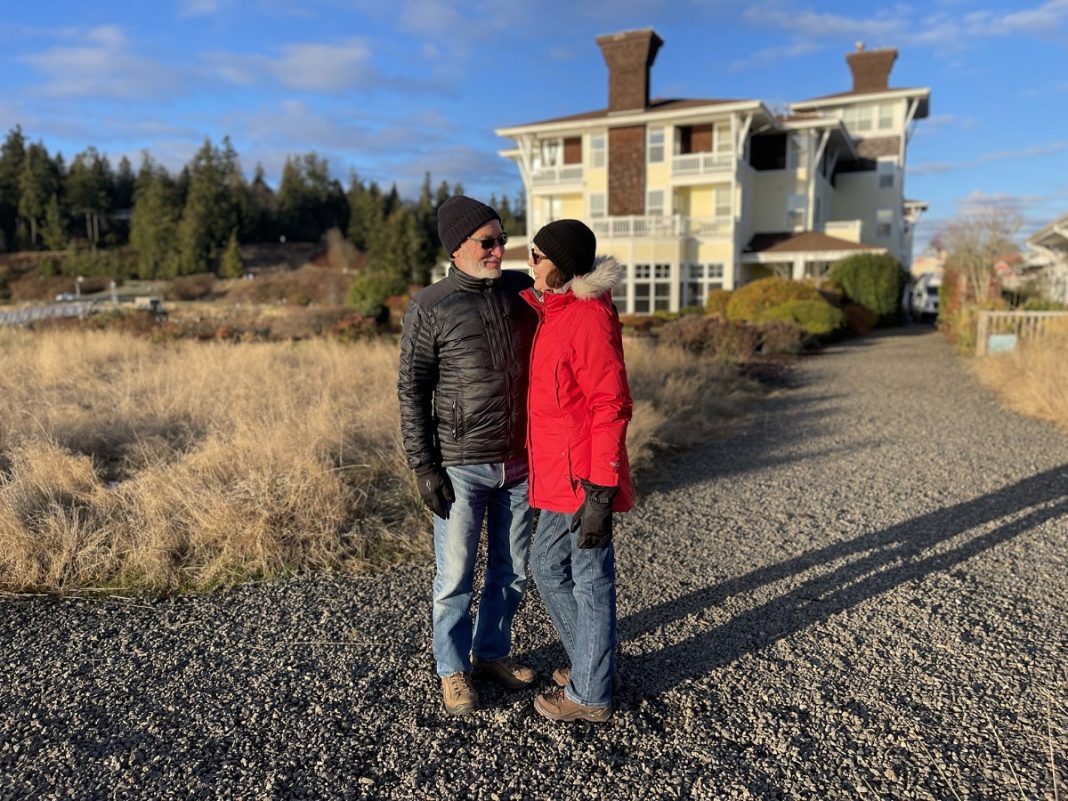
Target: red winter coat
x=579, y=404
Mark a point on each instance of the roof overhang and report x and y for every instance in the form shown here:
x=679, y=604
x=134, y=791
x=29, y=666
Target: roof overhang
x=642, y=117
x=922, y=94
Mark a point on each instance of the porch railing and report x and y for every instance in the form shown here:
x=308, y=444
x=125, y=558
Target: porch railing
x=999, y=331
x=700, y=163
x=658, y=225
x=549, y=176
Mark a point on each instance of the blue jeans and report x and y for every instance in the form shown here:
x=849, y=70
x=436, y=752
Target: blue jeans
x=578, y=587
x=499, y=490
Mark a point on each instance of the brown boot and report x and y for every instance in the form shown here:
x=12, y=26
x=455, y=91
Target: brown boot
x=460, y=697
x=505, y=672
x=555, y=705
x=562, y=675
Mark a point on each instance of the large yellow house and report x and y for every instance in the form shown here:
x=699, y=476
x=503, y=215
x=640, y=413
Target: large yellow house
x=694, y=195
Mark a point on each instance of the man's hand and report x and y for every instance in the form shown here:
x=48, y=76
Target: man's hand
x=435, y=487
x=593, y=520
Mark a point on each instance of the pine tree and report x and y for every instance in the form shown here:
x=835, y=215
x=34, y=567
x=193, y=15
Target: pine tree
x=36, y=184
x=154, y=227
x=12, y=154
x=54, y=231
x=232, y=266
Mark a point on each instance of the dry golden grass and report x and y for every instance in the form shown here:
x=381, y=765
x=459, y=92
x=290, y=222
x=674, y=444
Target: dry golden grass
x=131, y=465
x=1032, y=380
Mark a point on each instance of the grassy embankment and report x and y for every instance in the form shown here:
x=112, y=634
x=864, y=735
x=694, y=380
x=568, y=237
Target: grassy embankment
x=1033, y=379
x=127, y=465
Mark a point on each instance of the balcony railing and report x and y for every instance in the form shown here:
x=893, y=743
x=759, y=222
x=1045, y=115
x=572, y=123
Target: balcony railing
x=551, y=176
x=701, y=163
x=658, y=225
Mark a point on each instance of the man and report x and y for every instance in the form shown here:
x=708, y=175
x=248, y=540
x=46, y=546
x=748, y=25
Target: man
x=465, y=351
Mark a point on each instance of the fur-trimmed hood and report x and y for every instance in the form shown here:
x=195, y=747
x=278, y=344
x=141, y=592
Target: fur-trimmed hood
x=606, y=274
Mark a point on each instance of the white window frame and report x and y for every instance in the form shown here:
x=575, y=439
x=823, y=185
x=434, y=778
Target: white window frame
x=598, y=202
x=884, y=223
x=858, y=118
x=654, y=202
x=886, y=169
x=886, y=116
x=598, y=150
x=721, y=202
x=654, y=144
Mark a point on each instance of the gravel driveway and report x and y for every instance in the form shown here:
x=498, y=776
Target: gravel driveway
x=861, y=594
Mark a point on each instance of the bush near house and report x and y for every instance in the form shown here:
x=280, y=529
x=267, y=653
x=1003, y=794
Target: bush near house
x=751, y=300
x=817, y=318
x=717, y=301
x=727, y=341
x=874, y=280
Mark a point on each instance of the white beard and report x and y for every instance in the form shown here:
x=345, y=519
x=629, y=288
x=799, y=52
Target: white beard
x=482, y=271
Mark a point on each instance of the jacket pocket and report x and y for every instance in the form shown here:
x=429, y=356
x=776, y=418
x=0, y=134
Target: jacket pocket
x=457, y=418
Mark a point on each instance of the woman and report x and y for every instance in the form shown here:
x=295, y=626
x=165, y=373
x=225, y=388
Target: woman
x=578, y=409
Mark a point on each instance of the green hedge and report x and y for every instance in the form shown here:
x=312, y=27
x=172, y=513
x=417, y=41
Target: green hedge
x=818, y=318
x=751, y=300
x=874, y=280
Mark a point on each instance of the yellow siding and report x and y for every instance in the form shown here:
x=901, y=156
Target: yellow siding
x=596, y=180
x=574, y=207
x=658, y=176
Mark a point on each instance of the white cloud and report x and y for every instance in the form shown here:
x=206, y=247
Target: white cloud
x=937, y=167
x=323, y=67
x=201, y=8
x=102, y=66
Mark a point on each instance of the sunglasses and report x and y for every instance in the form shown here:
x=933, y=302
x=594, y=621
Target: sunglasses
x=537, y=257
x=490, y=242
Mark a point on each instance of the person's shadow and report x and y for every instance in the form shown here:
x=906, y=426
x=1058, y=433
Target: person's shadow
x=877, y=562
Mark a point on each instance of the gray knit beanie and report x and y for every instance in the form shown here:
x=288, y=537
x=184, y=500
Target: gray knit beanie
x=459, y=217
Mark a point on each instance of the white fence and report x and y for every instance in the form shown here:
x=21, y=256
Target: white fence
x=999, y=331
x=34, y=313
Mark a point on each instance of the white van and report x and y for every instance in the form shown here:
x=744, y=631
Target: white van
x=921, y=298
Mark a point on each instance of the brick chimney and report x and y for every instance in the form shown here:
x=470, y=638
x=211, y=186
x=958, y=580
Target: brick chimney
x=871, y=68
x=629, y=55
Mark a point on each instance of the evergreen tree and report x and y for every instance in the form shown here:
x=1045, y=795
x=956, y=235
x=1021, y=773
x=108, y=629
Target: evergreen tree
x=123, y=187
x=37, y=183
x=310, y=202
x=210, y=211
x=232, y=266
x=54, y=230
x=90, y=187
x=154, y=227
x=12, y=154
x=260, y=221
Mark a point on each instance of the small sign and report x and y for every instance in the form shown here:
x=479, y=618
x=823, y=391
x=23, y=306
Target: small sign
x=1001, y=343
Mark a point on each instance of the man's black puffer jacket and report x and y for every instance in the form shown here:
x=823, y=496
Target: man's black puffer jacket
x=465, y=352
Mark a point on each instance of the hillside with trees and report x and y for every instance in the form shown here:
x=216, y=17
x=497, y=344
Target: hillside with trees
x=90, y=218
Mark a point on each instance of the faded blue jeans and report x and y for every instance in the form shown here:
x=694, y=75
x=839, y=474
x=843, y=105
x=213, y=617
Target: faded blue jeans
x=496, y=492
x=578, y=586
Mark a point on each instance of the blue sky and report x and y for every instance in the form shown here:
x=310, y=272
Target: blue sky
x=394, y=89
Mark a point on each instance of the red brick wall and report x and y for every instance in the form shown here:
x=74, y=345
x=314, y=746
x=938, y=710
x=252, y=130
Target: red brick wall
x=626, y=170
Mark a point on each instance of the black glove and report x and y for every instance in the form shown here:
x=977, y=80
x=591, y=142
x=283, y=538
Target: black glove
x=435, y=487
x=594, y=518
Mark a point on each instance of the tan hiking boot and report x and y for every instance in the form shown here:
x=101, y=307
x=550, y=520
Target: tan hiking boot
x=562, y=675
x=506, y=672
x=460, y=697
x=555, y=705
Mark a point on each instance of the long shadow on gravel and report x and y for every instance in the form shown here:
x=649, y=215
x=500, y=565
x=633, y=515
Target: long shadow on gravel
x=874, y=564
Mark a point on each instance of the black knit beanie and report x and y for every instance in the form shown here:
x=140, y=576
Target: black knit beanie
x=459, y=217
x=570, y=245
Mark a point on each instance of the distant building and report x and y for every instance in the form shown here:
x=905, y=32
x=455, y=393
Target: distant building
x=699, y=194
x=1046, y=265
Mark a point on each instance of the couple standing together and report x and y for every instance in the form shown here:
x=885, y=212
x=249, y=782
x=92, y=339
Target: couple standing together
x=514, y=397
